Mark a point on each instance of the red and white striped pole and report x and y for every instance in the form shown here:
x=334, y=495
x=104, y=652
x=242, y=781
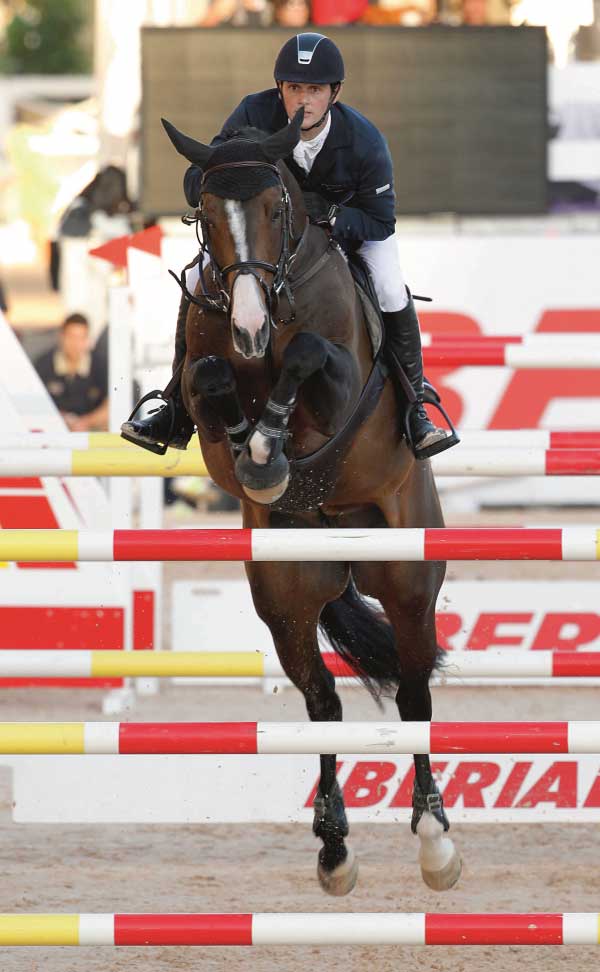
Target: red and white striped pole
x=560, y=351
x=529, y=439
x=463, y=461
x=376, y=928
x=500, y=543
x=298, y=738
x=470, y=438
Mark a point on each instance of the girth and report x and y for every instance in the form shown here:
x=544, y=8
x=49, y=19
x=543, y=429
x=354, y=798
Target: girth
x=313, y=477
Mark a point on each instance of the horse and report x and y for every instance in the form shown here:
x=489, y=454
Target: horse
x=297, y=418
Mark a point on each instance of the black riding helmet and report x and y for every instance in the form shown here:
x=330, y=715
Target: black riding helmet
x=309, y=59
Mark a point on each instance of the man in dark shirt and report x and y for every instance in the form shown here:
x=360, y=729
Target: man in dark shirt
x=77, y=386
x=343, y=166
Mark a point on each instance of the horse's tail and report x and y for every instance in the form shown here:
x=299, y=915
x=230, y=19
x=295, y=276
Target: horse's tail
x=364, y=639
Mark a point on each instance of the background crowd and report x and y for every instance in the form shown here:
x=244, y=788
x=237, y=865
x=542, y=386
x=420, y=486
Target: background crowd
x=416, y=13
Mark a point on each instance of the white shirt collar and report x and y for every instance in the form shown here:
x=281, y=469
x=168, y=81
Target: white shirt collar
x=306, y=152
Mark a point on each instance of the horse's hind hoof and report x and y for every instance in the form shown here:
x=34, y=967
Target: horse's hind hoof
x=440, y=861
x=445, y=878
x=341, y=879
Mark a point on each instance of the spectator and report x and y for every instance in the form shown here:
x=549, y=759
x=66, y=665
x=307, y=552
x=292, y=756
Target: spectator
x=337, y=12
x=294, y=14
x=236, y=13
x=475, y=13
x=77, y=385
x=417, y=13
x=106, y=194
x=3, y=300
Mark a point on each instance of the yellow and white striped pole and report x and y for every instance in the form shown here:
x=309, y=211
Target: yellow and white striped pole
x=100, y=462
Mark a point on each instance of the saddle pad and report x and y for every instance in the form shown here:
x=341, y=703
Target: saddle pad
x=372, y=318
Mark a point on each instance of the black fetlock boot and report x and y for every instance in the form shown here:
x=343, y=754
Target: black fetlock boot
x=168, y=425
x=403, y=355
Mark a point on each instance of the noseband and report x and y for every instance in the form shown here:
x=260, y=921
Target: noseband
x=221, y=301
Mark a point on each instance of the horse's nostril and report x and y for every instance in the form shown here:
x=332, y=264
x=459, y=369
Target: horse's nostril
x=261, y=339
x=242, y=341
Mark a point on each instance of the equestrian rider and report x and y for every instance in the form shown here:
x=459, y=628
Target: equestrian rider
x=343, y=166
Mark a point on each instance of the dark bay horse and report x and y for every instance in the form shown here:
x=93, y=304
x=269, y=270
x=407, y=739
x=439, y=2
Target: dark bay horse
x=297, y=418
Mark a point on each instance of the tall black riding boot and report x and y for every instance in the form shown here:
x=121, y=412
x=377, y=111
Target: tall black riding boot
x=403, y=355
x=169, y=425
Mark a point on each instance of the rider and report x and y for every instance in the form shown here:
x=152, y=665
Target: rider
x=343, y=166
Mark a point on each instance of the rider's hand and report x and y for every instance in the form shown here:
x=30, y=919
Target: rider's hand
x=320, y=210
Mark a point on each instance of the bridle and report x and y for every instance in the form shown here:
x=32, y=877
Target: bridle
x=221, y=300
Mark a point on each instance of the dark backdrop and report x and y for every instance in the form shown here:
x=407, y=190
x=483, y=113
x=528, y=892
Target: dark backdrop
x=463, y=109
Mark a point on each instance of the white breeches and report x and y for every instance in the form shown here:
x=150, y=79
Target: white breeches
x=381, y=257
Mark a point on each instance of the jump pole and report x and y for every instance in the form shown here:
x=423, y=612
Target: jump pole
x=253, y=664
x=500, y=543
x=517, y=356
x=529, y=439
x=517, y=462
x=101, y=462
x=470, y=438
x=297, y=738
x=137, y=462
x=375, y=928
x=537, y=339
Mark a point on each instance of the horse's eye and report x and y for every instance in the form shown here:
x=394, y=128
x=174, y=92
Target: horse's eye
x=276, y=215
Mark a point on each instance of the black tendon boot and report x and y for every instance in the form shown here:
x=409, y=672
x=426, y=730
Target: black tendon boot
x=168, y=425
x=403, y=354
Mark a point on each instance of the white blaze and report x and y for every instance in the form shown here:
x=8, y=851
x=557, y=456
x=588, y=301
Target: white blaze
x=237, y=226
x=247, y=307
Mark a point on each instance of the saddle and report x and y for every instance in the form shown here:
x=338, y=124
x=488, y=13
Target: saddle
x=366, y=291
x=373, y=316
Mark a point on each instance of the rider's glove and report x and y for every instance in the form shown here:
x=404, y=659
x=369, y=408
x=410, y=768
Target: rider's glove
x=320, y=210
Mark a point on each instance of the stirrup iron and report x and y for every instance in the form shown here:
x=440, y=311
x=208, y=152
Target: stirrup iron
x=156, y=447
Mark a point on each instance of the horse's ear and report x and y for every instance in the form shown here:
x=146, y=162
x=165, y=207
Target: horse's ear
x=192, y=150
x=279, y=145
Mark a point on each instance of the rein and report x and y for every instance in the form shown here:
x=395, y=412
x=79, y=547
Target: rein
x=221, y=301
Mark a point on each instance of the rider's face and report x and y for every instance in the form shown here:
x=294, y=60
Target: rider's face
x=314, y=98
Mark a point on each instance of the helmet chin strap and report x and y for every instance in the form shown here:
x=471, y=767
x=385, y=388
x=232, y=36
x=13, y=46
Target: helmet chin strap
x=334, y=95
x=320, y=121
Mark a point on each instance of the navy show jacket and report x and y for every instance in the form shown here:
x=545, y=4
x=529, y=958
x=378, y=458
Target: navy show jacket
x=354, y=162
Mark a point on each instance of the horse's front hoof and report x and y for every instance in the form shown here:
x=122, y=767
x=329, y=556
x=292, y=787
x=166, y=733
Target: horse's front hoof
x=263, y=482
x=446, y=877
x=341, y=879
x=267, y=496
